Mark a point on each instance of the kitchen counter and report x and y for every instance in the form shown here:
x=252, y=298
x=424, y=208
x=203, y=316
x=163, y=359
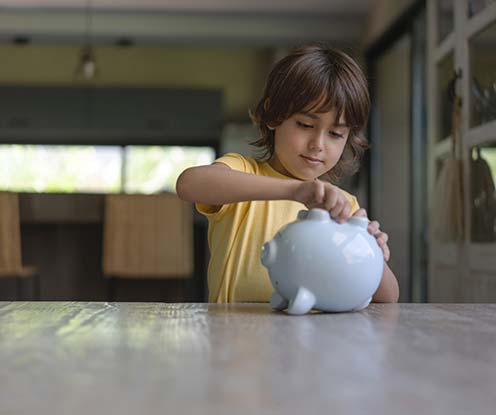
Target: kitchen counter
x=176, y=358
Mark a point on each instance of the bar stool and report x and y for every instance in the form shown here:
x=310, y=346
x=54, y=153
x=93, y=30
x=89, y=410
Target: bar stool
x=10, y=245
x=147, y=236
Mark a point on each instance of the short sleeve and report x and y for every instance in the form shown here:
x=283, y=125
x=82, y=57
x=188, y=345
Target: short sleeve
x=354, y=205
x=236, y=162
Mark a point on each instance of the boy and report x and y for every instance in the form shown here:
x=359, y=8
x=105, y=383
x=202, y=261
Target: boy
x=314, y=106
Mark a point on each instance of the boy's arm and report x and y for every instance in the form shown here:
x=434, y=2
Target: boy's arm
x=218, y=184
x=388, y=291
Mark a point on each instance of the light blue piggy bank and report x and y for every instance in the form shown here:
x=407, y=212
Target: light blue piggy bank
x=317, y=263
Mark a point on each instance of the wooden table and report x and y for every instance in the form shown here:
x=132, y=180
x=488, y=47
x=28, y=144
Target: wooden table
x=154, y=358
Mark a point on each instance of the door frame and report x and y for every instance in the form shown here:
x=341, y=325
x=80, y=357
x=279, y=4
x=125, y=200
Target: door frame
x=412, y=22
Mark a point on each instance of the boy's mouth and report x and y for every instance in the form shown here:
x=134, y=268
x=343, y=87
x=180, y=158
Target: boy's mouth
x=311, y=159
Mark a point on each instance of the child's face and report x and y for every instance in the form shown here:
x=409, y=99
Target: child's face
x=307, y=145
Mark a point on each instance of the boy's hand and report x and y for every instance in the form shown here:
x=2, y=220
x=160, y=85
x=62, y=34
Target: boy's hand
x=323, y=195
x=380, y=236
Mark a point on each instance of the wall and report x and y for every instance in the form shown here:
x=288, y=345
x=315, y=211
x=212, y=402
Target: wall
x=239, y=71
x=236, y=138
x=383, y=14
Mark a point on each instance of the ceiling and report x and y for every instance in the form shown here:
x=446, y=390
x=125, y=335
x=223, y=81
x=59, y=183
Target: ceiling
x=355, y=7
x=253, y=22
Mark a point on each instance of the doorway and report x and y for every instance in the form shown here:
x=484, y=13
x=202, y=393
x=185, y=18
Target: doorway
x=397, y=133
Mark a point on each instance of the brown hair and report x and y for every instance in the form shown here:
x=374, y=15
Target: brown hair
x=316, y=79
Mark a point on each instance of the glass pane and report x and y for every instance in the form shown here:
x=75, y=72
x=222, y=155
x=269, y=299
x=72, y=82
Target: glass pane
x=155, y=169
x=483, y=193
x=445, y=18
x=44, y=168
x=445, y=71
x=475, y=6
x=482, y=49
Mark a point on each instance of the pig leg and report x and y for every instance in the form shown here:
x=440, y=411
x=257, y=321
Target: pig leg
x=302, y=303
x=277, y=302
x=363, y=306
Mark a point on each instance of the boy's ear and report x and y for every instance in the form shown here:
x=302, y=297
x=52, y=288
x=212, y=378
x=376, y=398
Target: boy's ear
x=266, y=108
x=266, y=104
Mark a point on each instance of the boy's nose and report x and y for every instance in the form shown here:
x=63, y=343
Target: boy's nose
x=316, y=143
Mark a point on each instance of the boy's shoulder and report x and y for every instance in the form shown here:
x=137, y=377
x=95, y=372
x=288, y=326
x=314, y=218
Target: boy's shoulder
x=248, y=164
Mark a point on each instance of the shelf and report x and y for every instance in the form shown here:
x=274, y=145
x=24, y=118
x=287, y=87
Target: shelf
x=444, y=48
x=480, y=134
x=442, y=148
x=481, y=20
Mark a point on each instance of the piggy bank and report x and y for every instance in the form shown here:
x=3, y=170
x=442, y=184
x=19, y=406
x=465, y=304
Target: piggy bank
x=318, y=263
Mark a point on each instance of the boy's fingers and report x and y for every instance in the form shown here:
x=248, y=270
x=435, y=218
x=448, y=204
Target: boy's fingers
x=331, y=201
x=319, y=192
x=337, y=209
x=373, y=227
x=384, y=237
x=385, y=249
x=386, y=252
x=360, y=212
x=373, y=230
x=346, y=212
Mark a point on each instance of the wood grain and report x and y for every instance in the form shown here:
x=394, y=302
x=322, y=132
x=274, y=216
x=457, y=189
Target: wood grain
x=148, y=358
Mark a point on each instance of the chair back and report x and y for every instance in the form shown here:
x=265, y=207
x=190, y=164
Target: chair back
x=10, y=233
x=147, y=236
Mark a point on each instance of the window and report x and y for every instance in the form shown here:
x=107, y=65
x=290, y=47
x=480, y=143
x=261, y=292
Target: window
x=151, y=169
x=96, y=169
x=483, y=76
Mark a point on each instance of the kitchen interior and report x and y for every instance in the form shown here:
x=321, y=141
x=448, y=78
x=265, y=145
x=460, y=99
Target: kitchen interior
x=103, y=103
x=101, y=97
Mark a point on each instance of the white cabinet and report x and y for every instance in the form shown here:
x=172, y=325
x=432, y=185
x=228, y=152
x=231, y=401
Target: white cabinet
x=462, y=39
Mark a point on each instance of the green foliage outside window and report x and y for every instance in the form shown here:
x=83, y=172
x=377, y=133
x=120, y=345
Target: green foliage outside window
x=96, y=169
x=152, y=169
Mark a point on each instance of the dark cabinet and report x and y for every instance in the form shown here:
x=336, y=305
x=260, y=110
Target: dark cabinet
x=110, y=115
x=42, y=108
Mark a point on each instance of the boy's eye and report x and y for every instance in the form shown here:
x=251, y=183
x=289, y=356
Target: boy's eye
x=303, y=125
x=336, y=134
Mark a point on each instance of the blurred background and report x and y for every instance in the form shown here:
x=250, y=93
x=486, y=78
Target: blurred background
x=104, y=103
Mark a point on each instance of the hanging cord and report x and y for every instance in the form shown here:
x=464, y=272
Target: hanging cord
x=88, y=23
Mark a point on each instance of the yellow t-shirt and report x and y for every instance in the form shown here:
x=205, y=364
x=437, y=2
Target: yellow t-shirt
x=236, y=234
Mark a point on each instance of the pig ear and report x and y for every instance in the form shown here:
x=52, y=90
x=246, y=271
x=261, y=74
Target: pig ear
x=302, y=214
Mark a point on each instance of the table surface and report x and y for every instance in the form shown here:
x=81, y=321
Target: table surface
x=130, y=358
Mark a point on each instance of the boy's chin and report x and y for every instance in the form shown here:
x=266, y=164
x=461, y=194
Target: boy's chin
x=303, y=177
